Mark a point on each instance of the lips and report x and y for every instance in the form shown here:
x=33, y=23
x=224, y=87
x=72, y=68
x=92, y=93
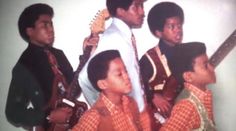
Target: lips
x=51, y=36
x=178, y=37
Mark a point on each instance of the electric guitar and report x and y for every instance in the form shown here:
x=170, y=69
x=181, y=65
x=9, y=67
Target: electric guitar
x=65, y=94
x=223, y=50
x=169, y=91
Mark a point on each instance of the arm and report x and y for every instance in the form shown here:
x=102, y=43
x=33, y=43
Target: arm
x=24, y=89
x=91, y=42
x=183, y=117
x=88, y=122
x=155, y=99
x=146, y=73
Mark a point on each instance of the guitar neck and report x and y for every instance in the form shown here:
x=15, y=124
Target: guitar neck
x=223, y=50
x=83, y=59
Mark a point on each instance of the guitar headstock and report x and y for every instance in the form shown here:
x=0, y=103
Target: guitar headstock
x=97, y=25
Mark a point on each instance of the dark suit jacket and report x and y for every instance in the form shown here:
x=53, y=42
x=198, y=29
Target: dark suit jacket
x=31, y=85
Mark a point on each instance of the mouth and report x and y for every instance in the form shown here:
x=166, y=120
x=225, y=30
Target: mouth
x=128, y=84
x=178, y=37
x=141, y=20
x=51, y=37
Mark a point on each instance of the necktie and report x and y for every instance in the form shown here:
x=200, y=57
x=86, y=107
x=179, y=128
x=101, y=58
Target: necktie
x=136, y=56
x=59, y=79
x=134, y=46
x=53, y=62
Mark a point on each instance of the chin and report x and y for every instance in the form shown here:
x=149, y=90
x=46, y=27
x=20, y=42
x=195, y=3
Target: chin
x=127, y=91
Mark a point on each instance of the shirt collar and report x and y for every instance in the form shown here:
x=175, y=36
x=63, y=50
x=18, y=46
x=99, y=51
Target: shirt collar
x=165, y=48
x=122, y=26
x=199, y=93
x=111, y=106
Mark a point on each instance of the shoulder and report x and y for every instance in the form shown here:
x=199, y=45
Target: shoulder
x=57, y=51
x=184, y=104
x=89, y=120
x=184, y=108
x=132, y=103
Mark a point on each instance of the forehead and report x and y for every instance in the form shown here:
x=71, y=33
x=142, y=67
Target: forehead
x=201, y=59
x=139, y=1
x=44, y=17
x=116, y=63
x=174, y=19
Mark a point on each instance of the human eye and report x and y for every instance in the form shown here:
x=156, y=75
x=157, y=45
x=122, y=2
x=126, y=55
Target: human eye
x=118, y=73
x=179, y=26
x=47, y=24
x=170, y=26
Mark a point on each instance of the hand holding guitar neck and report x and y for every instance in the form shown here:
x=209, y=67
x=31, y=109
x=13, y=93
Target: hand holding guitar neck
x=68, y=97
x=97, y=26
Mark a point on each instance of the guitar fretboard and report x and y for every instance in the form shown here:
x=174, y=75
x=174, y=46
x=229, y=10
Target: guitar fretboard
x=223, y=50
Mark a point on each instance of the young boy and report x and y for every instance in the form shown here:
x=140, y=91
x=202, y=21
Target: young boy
x=165, y=21
x=193, y=109
x=113, y=110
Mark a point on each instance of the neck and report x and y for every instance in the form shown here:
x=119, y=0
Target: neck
x=40, y=44
x=169, y=43
x=200, y=86
x=114, y=98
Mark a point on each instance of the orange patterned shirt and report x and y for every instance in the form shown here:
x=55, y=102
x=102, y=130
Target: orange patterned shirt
x=106, y=116
x=185, y=116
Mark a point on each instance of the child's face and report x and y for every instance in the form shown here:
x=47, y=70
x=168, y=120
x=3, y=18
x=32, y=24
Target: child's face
x=172, y=32
x=42, y=33
x=117, y=80
x=203, y=73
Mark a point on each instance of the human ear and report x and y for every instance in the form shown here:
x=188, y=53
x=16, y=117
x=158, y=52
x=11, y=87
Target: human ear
x=120, y=12
x=187, y=76
x=29, y=31
x=102, y=84
x=158, y=33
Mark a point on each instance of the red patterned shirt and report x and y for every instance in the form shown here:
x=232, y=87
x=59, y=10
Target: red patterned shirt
x=185, y=116
x=106, y=116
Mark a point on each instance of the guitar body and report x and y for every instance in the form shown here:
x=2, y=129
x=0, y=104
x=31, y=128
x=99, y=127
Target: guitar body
x=78, y=111
x=170, y=92
x=60, y=98
x=172, y=88
x=160, y=84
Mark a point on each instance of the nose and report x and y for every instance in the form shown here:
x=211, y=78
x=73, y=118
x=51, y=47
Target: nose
x=50, y=28
x=178, y=28
x=126, y=76
x=141, y=11
x=211, y=67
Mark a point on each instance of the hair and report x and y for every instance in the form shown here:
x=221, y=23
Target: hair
x=183, y=57
x=30, y=15
x=99, y=66
x=112, y=5
x=160, y=12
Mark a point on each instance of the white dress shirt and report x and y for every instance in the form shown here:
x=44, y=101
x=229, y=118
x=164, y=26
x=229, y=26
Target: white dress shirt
x=116, y=37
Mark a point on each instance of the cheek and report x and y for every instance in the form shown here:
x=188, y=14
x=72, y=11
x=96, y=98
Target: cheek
x=207, y=76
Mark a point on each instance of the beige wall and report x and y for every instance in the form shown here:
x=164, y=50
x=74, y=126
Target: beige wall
x=209, y=21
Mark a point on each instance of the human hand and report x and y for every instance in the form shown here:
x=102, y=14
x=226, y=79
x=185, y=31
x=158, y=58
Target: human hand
x=91, y=40
x=162, y=105
x=60, y=115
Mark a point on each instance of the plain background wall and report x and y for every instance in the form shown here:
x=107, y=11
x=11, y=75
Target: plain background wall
x=209, y=21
